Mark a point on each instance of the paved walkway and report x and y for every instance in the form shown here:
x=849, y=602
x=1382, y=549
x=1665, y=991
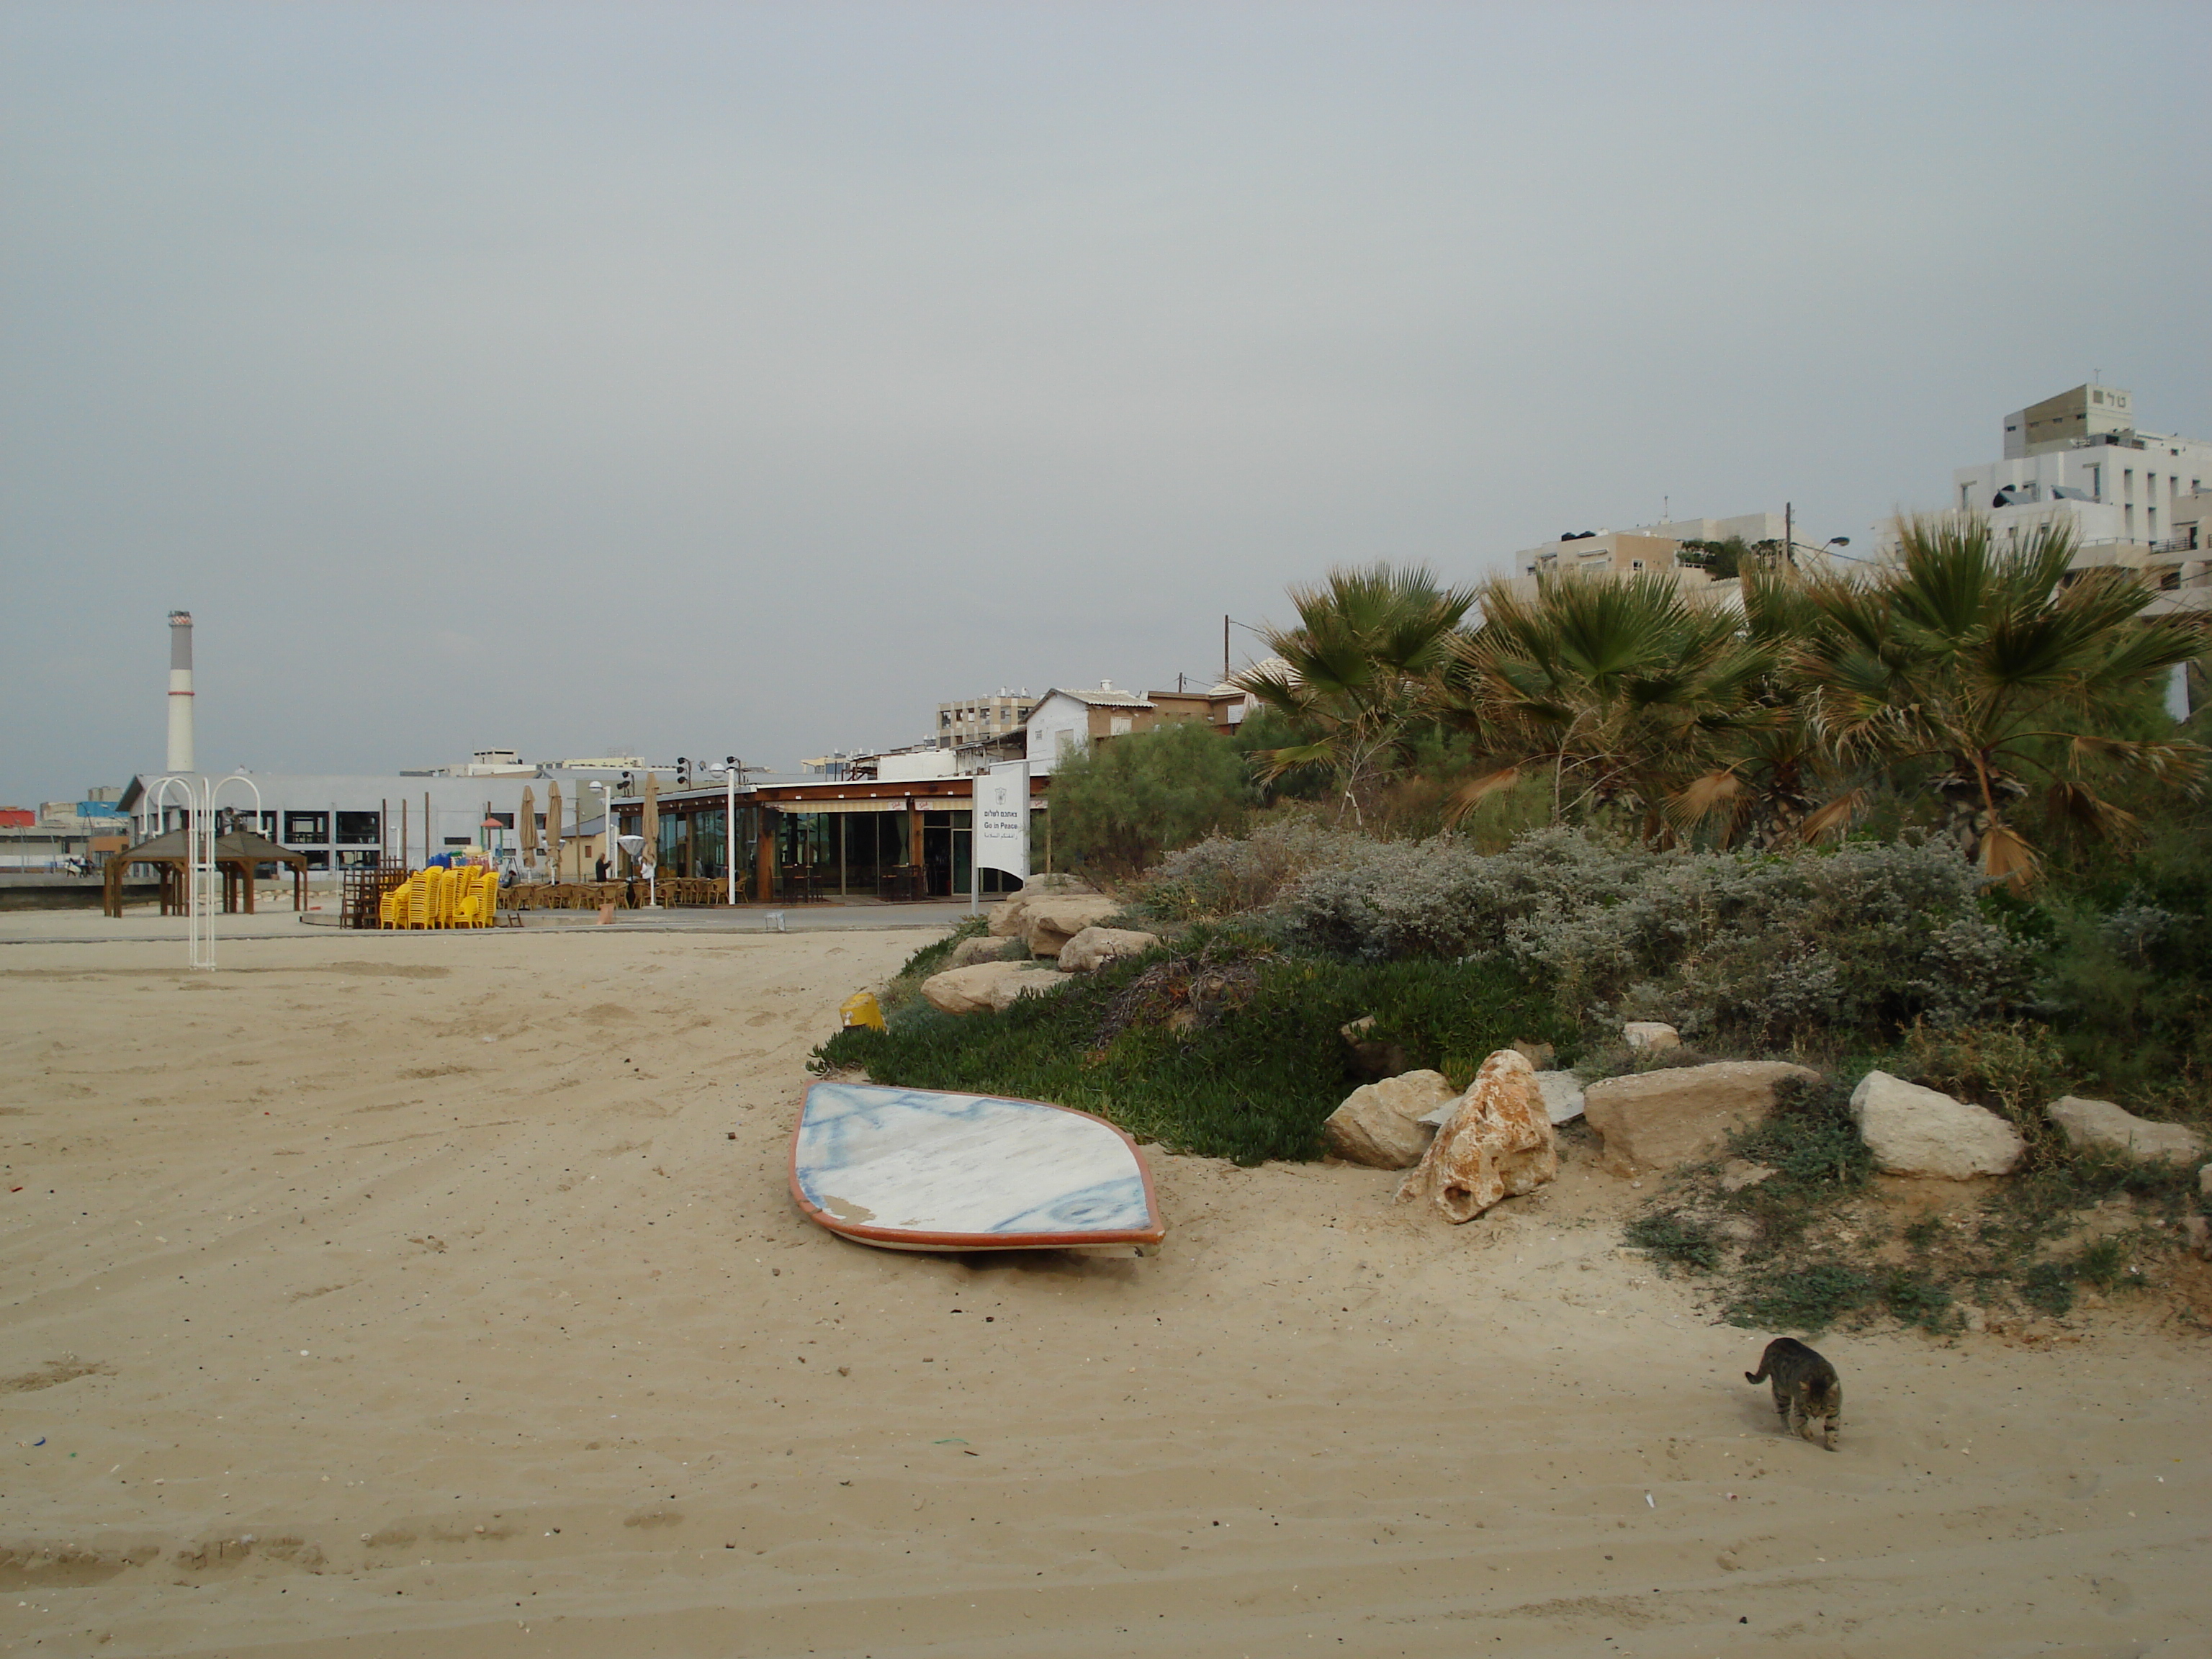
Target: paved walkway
x=141, y=926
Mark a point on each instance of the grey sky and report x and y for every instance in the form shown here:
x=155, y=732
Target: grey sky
x=713, y=378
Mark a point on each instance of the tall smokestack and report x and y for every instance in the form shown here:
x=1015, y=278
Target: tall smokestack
x=180, y=691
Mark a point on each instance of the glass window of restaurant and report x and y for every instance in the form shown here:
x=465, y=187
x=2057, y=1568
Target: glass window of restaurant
x=842, y=853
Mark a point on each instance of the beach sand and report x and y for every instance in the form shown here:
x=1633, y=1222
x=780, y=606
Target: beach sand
x=381, y=1295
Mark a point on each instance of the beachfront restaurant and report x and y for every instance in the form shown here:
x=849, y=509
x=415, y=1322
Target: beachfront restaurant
x=797, y=843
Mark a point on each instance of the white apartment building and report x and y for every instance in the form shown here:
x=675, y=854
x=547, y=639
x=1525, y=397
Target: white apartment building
x=2079, y=459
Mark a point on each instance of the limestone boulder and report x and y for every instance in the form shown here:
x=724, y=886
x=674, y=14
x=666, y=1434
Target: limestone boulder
x=1388, y=1124
x=2204, y=1181
x=2102, y=1125
x=1562, y=1092
x=1657, y=1120
x=1048, y=923
x=983, y=948
x=1920, y=1132
x=988, y=986
x=2196, y=1233
x=1094, y=947
x=1007, y=915
x=1650, y=1033
x=1497, y=1145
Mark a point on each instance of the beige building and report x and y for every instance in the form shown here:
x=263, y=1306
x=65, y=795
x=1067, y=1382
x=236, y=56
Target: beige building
x=982, y=720
x=1614, y=554
x=2067, y=421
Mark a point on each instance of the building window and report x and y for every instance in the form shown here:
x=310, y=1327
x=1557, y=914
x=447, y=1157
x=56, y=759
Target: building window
x=2097, y=482
x=357, y=829
x=306, y=827
x=1966, y=498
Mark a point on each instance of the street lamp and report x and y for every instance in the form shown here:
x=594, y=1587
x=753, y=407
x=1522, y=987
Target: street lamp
x=732, y=770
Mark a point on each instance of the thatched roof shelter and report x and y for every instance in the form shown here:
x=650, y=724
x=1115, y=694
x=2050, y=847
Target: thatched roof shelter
x=236, y=855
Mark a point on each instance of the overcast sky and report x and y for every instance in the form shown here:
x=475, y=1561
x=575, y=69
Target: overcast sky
x=700, y=379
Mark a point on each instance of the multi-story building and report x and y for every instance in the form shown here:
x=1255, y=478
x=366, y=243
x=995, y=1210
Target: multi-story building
x=2079, y=459
x=1656, y=549
x=981, y=720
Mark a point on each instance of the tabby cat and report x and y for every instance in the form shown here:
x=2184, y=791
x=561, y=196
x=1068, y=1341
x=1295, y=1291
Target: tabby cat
x=1805, y=1387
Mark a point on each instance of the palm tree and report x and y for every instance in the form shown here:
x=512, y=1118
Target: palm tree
x=1980, y=659
x=1779, y=782
x=1623, y=691
x=1353, y=675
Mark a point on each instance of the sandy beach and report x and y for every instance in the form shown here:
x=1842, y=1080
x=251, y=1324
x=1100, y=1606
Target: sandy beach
x=442, y=1295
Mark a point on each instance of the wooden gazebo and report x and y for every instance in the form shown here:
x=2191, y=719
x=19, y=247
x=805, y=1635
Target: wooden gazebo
x=236, y=855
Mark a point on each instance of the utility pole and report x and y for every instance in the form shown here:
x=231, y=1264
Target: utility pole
x=1224, y=650
x=1789, y=532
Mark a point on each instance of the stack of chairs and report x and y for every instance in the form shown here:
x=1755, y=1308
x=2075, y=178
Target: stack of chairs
x=442, y=898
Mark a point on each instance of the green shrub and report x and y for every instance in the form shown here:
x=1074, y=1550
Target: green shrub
x=1676, y=1239
x=1243, y=877
x=1117, y=807
x=2014, y=1068
x=2048, y=1287
x=1249, y=1086
x=1807, y=1298
x=1810, y=1141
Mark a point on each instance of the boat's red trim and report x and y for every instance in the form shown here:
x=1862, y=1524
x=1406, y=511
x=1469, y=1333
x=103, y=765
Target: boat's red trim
x=914, y=1238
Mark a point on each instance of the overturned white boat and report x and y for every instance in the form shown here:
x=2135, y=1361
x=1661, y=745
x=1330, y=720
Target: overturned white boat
x=924, y=1169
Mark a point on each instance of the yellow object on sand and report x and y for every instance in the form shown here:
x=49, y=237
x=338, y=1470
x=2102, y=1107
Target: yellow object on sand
x=861, y=1008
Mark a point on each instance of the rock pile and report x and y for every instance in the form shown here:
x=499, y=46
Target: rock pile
x=1049, y=911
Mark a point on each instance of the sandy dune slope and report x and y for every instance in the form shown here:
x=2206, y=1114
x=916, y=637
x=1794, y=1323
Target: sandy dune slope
x=442, y=1296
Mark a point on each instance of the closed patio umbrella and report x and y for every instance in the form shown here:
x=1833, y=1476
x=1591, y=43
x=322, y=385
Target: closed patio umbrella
x=651, y=828
x=529, y=826
x=553, y=828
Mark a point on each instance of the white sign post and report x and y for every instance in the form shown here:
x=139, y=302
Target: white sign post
x=1001, y=821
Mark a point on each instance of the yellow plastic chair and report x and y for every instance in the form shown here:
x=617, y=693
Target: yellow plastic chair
x=479, y=904
x=414, y=908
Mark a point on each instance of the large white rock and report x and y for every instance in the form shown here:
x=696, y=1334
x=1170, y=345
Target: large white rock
x=1388, y=1124
x=1497, y=1144
x=1650, y=1033
x=1657, y=1120
x=1094, y=947
x=1050, y=922
x=1915, y=1131
x=988, y=986
x=1008, y=914
x=2099, y=1123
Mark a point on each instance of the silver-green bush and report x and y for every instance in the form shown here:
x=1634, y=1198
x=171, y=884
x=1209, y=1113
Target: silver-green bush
x=1860, y=940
